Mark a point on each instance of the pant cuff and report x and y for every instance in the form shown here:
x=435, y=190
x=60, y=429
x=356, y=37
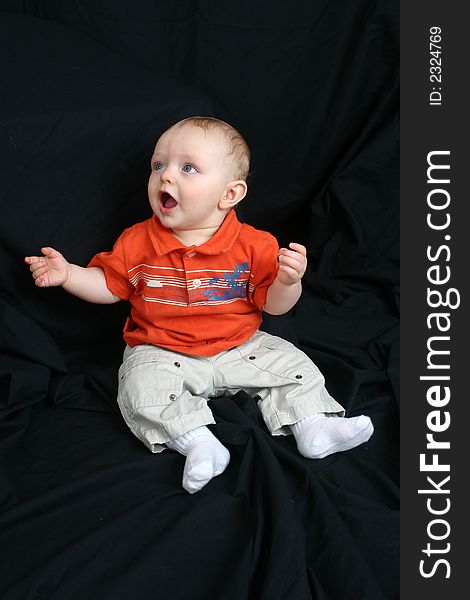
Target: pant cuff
x=155, y=439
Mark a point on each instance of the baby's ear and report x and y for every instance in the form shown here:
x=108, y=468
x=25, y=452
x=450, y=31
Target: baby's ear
x=234, y=192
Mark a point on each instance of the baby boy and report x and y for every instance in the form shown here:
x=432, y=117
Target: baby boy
x=198, y=281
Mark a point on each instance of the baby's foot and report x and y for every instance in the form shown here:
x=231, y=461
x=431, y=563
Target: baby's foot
x=206, y=457
x=318, y=436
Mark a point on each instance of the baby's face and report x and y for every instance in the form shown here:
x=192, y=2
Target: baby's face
x=189, y=177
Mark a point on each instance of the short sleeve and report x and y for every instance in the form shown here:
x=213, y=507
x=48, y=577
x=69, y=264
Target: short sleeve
x=264, y=270
x=114, y=265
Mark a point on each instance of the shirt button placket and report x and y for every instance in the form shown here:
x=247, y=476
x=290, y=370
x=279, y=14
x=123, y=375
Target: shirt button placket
x=189, y=254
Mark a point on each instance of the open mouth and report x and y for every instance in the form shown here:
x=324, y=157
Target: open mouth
x=167, y=202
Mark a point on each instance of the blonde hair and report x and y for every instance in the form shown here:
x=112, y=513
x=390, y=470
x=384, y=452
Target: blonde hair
x=237, y=148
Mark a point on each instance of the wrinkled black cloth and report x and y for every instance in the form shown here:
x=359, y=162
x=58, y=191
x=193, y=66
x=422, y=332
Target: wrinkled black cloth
x=86, y=510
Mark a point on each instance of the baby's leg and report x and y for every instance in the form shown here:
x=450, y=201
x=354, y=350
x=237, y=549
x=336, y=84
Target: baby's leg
x=294, y=398
x=162, y=397
x=206, y=457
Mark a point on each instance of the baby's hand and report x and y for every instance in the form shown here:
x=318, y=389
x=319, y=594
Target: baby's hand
x=49, y=270
x=292, y=264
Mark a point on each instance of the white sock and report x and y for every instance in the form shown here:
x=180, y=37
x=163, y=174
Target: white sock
x=206, y=457
x=318, y=436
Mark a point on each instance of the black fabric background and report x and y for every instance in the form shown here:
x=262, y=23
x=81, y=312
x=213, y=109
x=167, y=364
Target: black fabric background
x=87, y=88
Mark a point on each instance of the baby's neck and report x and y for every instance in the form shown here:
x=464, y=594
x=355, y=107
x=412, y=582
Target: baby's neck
x=195, y=237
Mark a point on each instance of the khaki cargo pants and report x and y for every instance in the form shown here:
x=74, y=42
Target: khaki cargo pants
x=163, y=394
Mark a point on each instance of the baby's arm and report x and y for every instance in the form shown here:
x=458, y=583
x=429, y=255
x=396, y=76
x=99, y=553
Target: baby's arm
x=53, y=269
x=285, y=290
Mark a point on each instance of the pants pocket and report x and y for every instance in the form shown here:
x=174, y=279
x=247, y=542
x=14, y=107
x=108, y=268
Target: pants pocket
x=147, y=380
x=275, y=356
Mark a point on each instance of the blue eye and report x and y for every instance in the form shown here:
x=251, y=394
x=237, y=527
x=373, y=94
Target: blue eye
x=158, y=166
x=187, y=168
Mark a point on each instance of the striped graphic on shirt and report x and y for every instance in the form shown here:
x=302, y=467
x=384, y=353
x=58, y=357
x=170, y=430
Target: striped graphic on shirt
x=195, y=287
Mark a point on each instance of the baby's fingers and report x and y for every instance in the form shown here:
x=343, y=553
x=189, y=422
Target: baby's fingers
x=291, y=261
x=38, y=270
x=51, y=252
x=34, y=266
x=41, y=281
x=290, y=272
x=298, y=248
x=31, y=260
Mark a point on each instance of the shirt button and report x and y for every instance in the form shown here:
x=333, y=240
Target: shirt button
x=191, y=254
x=197, y=283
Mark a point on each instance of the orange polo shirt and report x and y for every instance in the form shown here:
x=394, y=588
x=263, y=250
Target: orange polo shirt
x=197, y=300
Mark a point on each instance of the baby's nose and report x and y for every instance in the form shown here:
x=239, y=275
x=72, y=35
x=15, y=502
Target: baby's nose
x=168, y=174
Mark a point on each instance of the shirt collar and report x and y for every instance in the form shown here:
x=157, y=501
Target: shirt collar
x=165, y=242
